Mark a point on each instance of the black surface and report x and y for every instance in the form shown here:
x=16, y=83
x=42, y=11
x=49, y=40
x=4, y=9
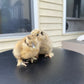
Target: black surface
x=66, y=67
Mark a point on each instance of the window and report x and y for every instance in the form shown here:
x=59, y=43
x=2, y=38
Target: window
x=73, y=16
x=17, y=16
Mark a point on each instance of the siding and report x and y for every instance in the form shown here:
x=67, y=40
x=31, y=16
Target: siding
x=51, y=21
x=7, y=45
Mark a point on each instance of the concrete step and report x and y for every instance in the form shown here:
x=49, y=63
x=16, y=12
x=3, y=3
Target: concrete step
x=74, y=45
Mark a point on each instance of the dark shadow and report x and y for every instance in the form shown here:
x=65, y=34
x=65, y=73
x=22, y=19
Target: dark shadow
x=33, y=71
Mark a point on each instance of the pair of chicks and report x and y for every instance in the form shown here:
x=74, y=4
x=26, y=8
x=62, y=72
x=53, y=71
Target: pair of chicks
x=31, y=46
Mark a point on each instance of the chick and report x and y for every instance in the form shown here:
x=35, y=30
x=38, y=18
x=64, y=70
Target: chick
x=45, y=43
x=26, y=48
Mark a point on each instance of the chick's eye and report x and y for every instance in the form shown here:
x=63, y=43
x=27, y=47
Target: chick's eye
x=37, y=35
x=41, y=33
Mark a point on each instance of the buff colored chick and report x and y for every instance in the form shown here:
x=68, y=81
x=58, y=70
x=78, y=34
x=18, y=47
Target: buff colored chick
x=27, y=48
x=45, y=43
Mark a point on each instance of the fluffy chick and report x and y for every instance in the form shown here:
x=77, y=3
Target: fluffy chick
x=27, y=48
x=45, y=43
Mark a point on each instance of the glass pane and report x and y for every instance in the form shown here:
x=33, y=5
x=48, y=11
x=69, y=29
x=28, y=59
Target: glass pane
x=75, y=8
x=15, y=16
x=70, y=8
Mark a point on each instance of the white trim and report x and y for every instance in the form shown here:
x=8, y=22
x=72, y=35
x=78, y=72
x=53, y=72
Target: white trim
x=11, y=36
x=64, y=16
x=70, y=18
x=34, y=6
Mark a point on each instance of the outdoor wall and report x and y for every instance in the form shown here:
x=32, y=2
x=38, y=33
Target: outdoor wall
x=51, y=20
x=7, y=44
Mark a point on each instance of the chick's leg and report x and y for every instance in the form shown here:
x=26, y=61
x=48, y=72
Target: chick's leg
x=20, y=62
x=50, y=55
x=32, y=59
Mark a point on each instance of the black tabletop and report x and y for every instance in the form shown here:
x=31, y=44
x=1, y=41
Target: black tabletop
x=66, y=67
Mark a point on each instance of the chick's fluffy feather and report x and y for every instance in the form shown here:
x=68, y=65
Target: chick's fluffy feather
x=43, y=39
x=24, y=49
